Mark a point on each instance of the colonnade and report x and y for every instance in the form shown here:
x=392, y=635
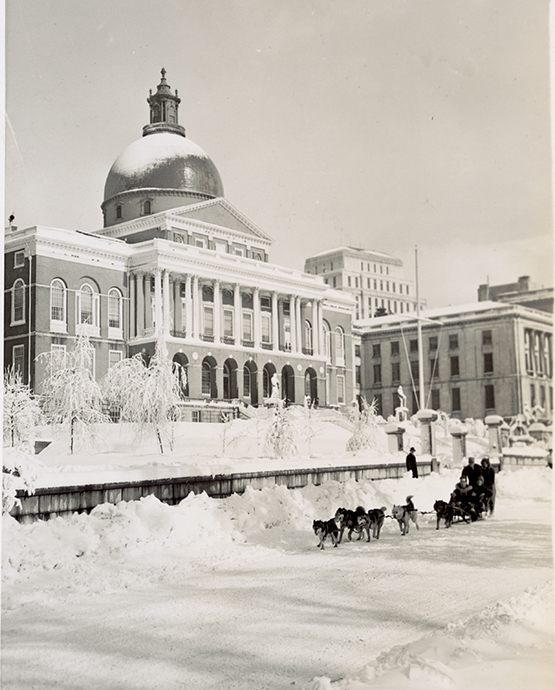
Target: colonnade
x=173, y=304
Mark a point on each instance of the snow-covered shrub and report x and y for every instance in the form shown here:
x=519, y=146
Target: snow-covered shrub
x=147, y=395
x=72, y=398
x=20, y=409
x=367, y=429
x=19, y=471
x=281, y=435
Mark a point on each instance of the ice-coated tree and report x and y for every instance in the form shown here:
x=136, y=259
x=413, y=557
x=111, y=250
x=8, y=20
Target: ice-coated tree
x=21, y=411
x=72, y=399
x=280, y=438
x=147, y=394
x=366, y=429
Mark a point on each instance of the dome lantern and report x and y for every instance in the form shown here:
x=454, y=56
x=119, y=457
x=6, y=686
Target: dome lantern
x=164, y=107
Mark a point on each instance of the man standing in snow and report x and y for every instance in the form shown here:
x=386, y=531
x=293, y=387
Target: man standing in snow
x=411, y=464
x=489, y=482
x=472, y=471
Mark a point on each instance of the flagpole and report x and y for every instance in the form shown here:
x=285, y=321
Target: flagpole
x=422, y=397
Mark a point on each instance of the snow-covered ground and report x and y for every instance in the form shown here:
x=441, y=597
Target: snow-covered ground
x=234, y=594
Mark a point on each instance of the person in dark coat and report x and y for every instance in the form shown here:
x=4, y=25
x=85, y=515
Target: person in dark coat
x=489, y=482
x=411, y=463
x=462, y=498
x=472, y=471
x=480, y=496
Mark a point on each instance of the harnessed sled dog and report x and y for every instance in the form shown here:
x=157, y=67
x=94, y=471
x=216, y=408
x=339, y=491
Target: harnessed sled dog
x=372, y=520
x=326, y=529
x=348, y=519
x=404, y=514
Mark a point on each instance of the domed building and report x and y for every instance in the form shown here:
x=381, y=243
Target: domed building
x=176, y=262
x=161, y=170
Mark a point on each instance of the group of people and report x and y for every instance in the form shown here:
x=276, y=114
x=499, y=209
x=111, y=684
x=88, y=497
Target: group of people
x=474, y=493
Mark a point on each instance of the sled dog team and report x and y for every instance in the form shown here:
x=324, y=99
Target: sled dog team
x=362, y=521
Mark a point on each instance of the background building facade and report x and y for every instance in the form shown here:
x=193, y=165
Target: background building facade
x=376, y=280
x=479, y=359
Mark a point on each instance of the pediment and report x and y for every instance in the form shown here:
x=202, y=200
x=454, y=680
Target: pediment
x=220, y=212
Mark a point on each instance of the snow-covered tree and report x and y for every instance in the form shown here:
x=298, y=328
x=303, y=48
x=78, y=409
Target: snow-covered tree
x=366, y=430
x=280, y=437
x=72, y=399
x=21, y=410
x=146, y=394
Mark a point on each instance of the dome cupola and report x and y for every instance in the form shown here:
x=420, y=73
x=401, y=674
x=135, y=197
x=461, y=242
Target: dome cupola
x=161, y=170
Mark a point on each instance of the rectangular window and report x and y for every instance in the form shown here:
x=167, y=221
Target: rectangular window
x=266, y=328
x=377, y=374
x=455, y=366
x=376, y=350
x=340, y=389
x=375, y=284
x=395, y=372
x=456, y=399
x=114, y=356
x=394, y=347
x=19, y=259
x=334, y=282
x=349, y=281
x=387, y=286
x=18, y=358
x=57, y=358
x=208, y=324
x=228, y=323
x=435, y=399
x=357, y=374
x=195, y=415
x=532, y=395
x=246, y=382
x=414, y=369
x=488, y=362
x=368, y=283
x=18, y=302
x=453, y=342
x=356, y=281
x=489, y=395
x=393, y=286
x=414, y=345
x=434, y=369
x=247, y=325
x=357, y=350
x=433, y=342
x=486, y=338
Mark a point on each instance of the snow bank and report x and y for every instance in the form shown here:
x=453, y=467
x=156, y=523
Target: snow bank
x=201, y=528
x=510, y=642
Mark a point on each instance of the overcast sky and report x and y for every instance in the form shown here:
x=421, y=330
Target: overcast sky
x=381, y=124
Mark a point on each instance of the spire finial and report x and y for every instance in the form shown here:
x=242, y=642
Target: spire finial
x=163, y=73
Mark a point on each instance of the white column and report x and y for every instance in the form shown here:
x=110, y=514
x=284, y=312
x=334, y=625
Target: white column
x=217, y=311
x=177, y=310
x=299, y=327
x=256, y=310
x=188, y=307
x=293, y=322
x=166, y=318
x=275, y=322
x=237, y=313
x=315, y=334
x=132, y=305
x=148, y=302
x=140, y=292
x=196, y=308
x=321, y=343
x=158, y=301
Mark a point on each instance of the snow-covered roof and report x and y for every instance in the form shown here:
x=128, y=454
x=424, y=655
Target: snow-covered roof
x=352, y=249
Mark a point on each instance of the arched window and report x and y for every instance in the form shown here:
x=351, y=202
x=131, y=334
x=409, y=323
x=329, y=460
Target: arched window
x=339, y=347
x=58, y=306
x=326, y=337
x=119, y=211
x=206, y=378
x=115, y=303
x=147, y=207
x=88, y=310
x=308, y=337
x=18, y=302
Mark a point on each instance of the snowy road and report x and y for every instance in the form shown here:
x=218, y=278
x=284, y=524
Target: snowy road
x=270, y=613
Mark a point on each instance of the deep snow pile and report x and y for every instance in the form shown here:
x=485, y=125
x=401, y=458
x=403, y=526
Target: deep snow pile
x=131, y=529
x=137, y=543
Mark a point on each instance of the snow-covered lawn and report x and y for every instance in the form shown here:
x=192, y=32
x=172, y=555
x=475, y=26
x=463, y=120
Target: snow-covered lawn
x=233, y=594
